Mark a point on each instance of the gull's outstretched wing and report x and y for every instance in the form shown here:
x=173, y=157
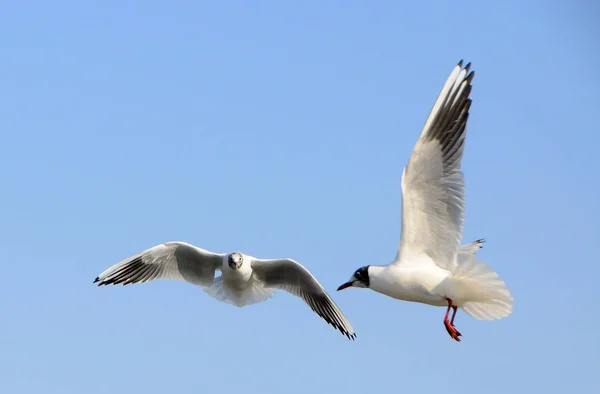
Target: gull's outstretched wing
x=469, y=250
x=288, y=275
x=171, y=260
x=432, y=182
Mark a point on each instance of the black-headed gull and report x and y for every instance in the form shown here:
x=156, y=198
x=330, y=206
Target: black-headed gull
x=431, y=266
x=244, y=279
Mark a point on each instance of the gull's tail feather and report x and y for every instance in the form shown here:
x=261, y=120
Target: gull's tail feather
x=483, y=294
x=254, y=294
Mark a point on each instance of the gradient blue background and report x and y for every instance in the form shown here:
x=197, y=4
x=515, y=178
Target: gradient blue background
x=280, y=129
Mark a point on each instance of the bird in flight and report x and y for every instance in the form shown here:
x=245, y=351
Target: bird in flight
x=244, y=279
x=431, y=266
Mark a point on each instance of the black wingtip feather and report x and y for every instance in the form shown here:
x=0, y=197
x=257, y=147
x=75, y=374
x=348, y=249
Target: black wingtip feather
x=470, y=76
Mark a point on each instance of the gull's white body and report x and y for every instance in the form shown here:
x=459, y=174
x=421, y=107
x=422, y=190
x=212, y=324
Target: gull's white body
x=419, y=279
x=239, y=280
x=431, y=266
x=411, y=283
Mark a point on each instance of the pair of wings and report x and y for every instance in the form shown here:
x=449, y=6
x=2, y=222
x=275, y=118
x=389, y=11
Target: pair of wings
x=432, y=182
x=185, y=262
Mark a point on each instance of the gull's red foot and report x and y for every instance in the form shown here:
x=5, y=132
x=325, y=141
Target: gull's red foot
x=449, y=324
x=454, y=333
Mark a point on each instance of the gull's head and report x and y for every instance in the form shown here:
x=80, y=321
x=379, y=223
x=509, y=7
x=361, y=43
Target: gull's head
x=235, y=260
x=360, y=278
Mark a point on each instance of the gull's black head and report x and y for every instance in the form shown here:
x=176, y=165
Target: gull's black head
x=235, y=260
x=360, y=278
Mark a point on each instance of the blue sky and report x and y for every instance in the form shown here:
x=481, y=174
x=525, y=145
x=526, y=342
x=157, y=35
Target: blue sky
x=280, y=129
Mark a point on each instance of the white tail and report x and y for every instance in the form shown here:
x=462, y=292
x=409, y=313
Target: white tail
x=485, y=296
x=255, y=293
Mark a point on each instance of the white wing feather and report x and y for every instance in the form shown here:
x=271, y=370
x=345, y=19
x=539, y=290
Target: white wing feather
x=171, y=260
x=291, y=276
x=432, y=182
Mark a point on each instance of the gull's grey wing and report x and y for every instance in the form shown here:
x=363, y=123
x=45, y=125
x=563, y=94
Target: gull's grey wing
x=432, y=182
x=470, y=249
x=171, y=260
x=288, y=275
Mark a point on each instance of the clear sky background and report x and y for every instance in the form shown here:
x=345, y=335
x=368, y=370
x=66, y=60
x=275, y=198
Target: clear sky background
x=280, y=129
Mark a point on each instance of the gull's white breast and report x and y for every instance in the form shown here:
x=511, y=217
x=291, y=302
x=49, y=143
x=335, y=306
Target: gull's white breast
x=410, y=282
x=237, y=279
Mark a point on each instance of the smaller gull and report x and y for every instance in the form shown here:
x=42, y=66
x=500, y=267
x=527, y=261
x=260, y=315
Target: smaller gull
x=431, y=267
x=244, y=279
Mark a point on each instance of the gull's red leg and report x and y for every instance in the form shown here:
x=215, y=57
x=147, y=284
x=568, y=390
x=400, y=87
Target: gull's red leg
x=448, y=310
x=454, y=308
x=449, y=324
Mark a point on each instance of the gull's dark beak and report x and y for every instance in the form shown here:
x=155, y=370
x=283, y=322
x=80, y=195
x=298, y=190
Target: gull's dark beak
x=345, y=286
